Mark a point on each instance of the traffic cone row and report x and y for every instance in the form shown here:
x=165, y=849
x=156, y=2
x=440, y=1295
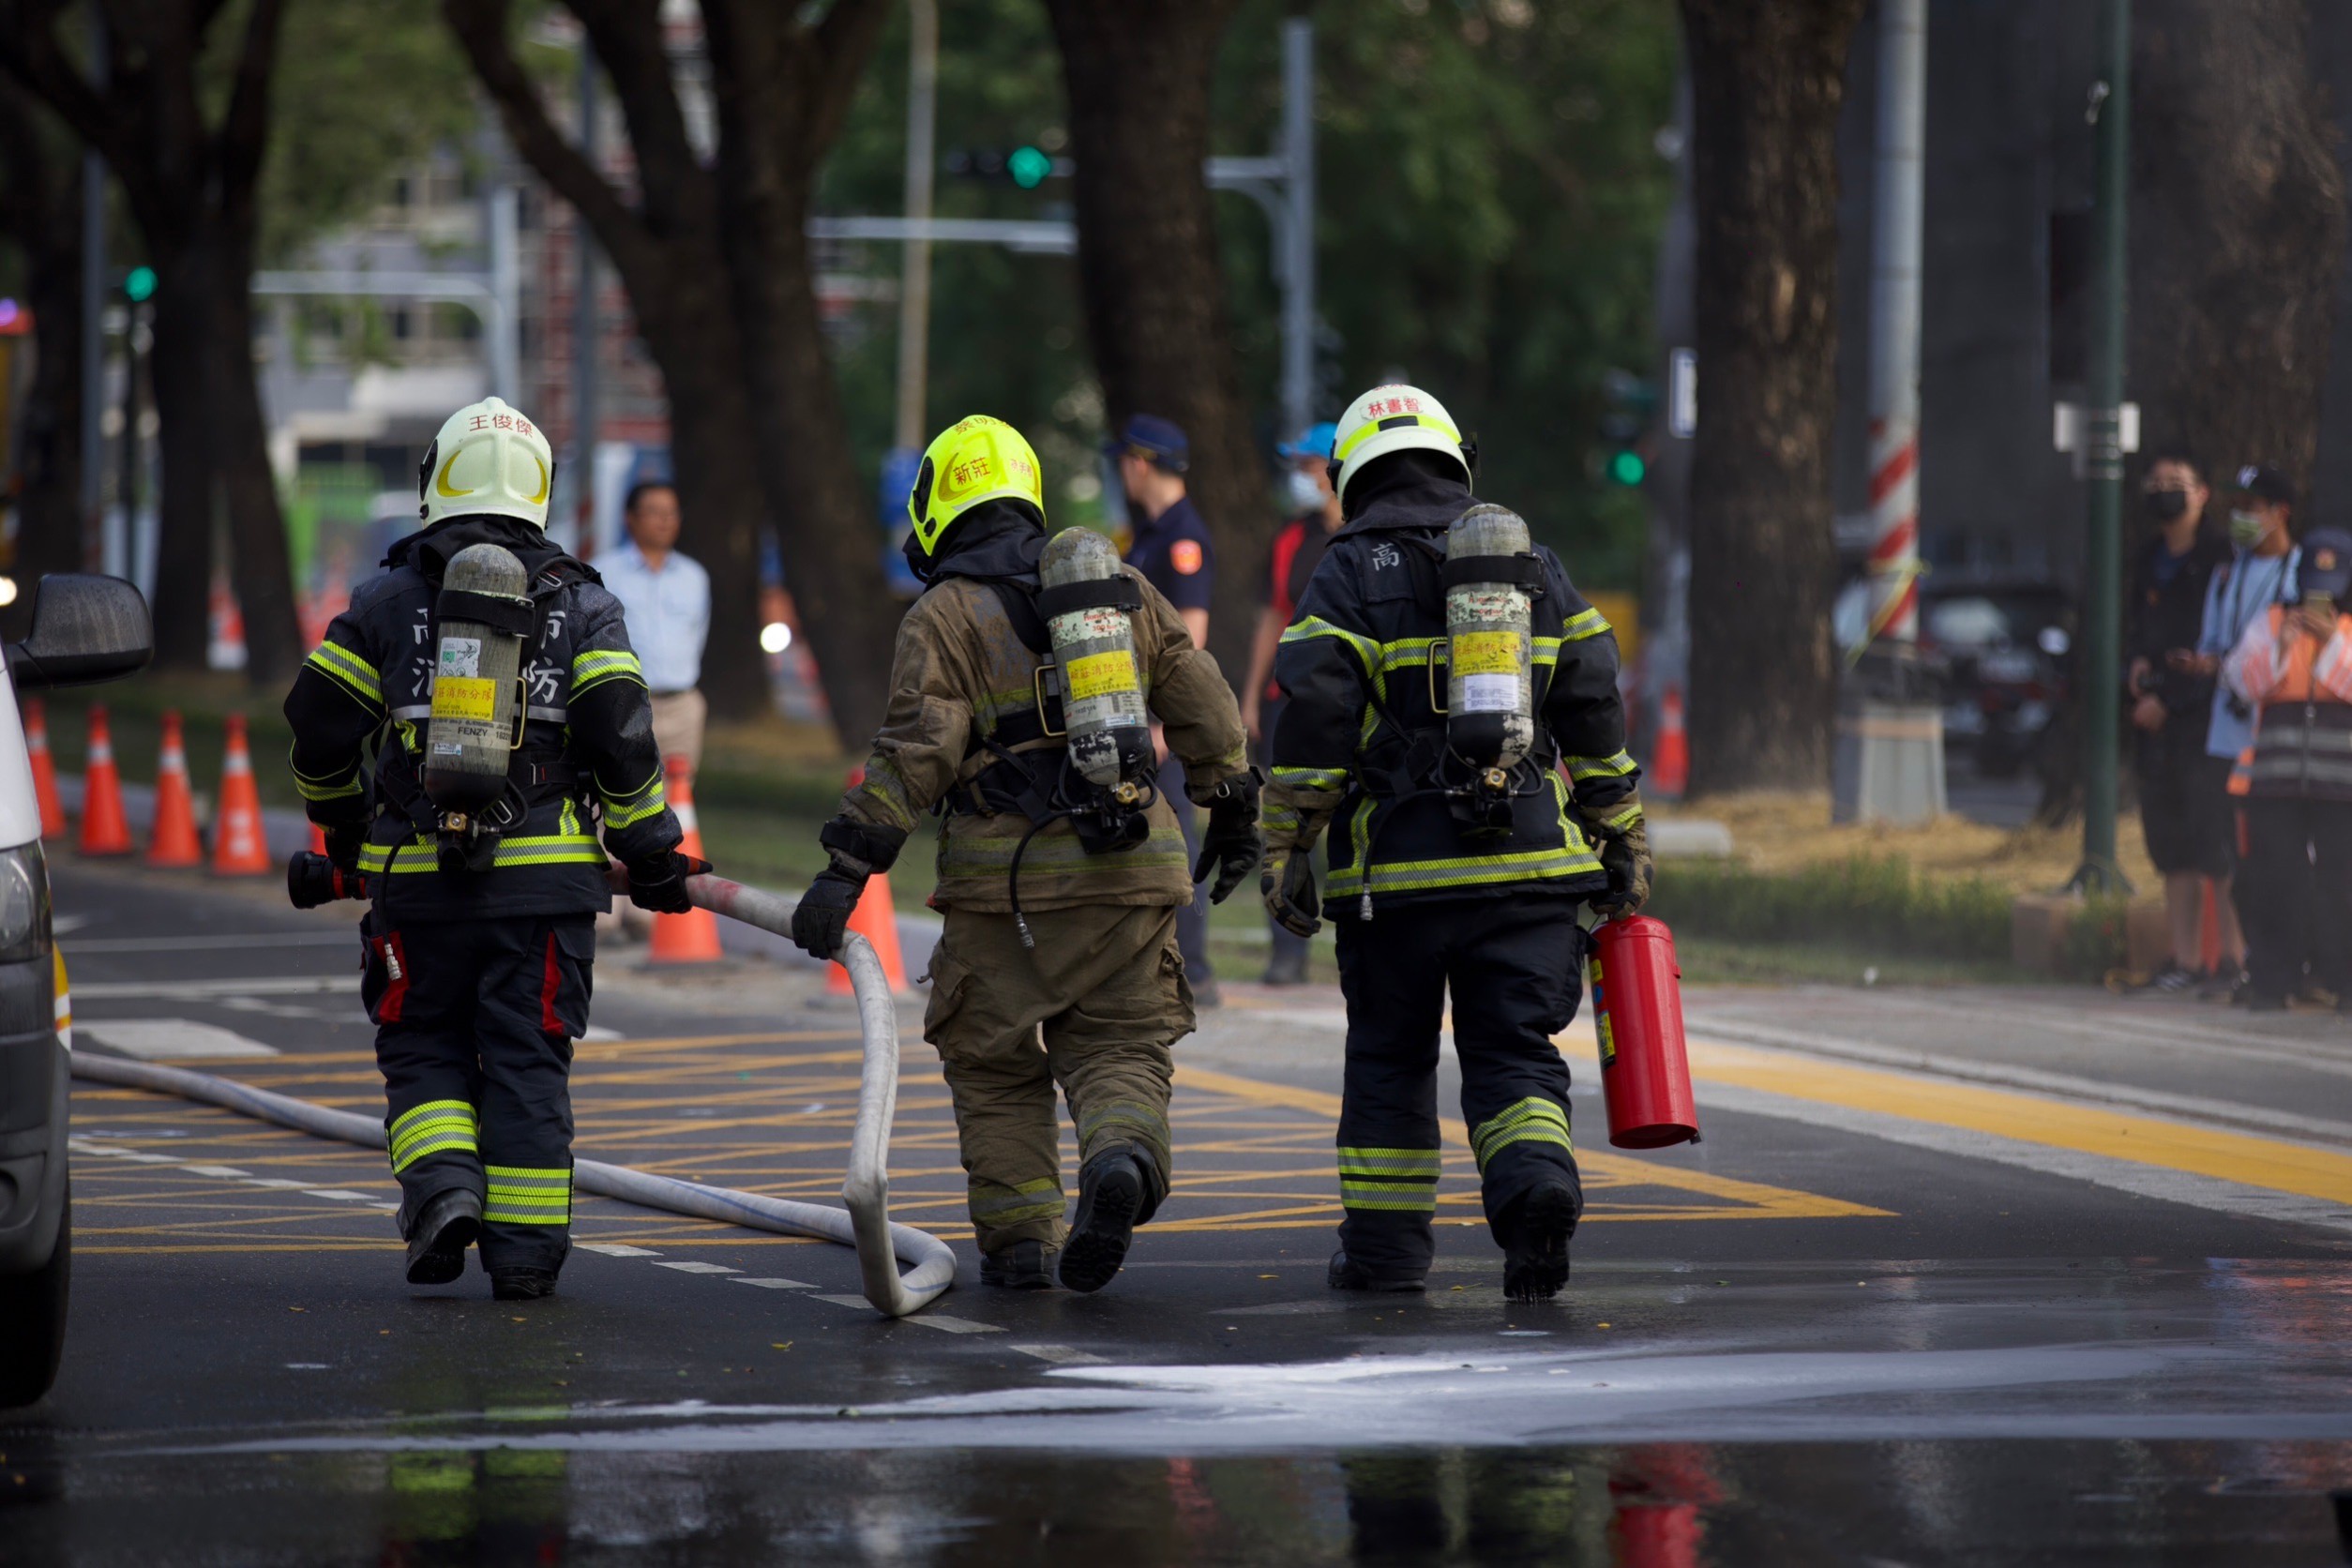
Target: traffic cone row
x=240, y=844
x=876, y=919
x=691, y=938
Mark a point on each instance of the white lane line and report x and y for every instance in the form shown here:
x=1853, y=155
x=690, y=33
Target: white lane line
x=939, y=1321
x=774, y=1283
x=2143, y=1181
x=260, y=985
x=616, y=1249
x=231, y=1173
x=278, y=1183
x=217, y=1170
x=1059, y=1355
x=342, y=1195
x=171, y=1039
x=263, y=939
x=690, y=1267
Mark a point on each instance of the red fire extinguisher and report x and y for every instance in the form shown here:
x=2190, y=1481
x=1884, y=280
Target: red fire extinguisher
x=1637, y=1013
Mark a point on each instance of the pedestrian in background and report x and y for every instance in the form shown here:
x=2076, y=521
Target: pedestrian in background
x=666, y=598
x=1315, y=517
x=2184, y=789
x=2294, y=668
x=1170, y=548
x=2262, y=569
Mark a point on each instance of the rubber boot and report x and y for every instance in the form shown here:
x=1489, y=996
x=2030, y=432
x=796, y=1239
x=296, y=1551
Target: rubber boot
x=1536, y=1256
x=1019, y=1266
x=445, y=1229
x=1346, y=1273
x=1114, y=1190
x=521, y=1285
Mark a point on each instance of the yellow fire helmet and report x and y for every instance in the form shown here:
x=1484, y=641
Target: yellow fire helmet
x=488, y=457
x=974, y=459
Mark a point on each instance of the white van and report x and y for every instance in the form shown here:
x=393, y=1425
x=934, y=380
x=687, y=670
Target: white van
x=85, y=629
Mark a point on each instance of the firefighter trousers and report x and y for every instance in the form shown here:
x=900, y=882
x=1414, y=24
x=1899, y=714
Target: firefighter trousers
x=1513, y=965
x=1094, y=1008
x=475, y=1023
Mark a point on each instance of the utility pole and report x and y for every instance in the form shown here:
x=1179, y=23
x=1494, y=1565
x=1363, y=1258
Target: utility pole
x=915, y=287
x=94, y=318
x=584, y=317
x=2096, y=673
x=1296, y=239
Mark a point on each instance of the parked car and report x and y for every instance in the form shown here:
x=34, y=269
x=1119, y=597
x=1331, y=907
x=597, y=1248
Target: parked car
x=84, y=629
x=2000, y=651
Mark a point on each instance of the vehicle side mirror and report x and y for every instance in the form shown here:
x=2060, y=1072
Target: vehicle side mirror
x=85, y=629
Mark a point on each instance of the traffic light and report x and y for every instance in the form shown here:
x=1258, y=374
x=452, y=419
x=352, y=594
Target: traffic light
x=1626, y=468
x=1028, y=166
x=1631, y=404
x=138, y=285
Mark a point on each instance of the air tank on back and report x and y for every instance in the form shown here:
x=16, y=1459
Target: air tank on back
x=478, y=690
x=1490, y=715
x=1102, y=686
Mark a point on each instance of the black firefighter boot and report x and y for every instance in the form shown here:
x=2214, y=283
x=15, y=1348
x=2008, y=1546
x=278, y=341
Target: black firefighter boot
x=444, y=1228
x=1019, y=1266
x=521, y=1285
x=1114, y=1197
x=1535, y=1242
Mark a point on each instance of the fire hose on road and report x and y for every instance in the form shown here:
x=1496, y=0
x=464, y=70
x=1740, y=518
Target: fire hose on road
x=863, y=1223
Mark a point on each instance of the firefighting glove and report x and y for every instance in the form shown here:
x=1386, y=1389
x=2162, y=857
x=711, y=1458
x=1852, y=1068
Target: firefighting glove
x=342, y=847
x=1231, y=843
x=859, y=849
x=1294, y=819
x=657, y=882
x=1623, y=833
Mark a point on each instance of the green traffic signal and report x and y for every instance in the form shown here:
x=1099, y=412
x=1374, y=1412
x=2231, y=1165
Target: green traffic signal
x=139, y=286
x=1028, y=166
x=1626, y=468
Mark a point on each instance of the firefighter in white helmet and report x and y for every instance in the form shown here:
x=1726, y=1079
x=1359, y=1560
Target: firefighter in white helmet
x=1453, y=714
x=484, y=870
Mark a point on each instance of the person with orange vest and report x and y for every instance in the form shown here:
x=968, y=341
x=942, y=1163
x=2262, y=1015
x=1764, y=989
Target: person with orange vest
x=2294, y=669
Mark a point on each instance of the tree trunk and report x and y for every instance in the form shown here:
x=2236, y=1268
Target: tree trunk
x=180, y=367
x=1139, y=74
x=781, y=89
x=40, y=211
x=260, y=566
x=1766, y=84
x=2237, y=233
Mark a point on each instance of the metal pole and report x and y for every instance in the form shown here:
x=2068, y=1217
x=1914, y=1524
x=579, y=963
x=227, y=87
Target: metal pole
x=915, y=288
x=1298, y=240
x=93, y=311
x=1899, y=205
x=584, y=317
x=2097, y=673
x=505, y=285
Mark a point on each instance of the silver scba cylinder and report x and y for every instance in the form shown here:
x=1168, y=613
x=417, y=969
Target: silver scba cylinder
x=485, y=615
x=1490, y=714
x=1109, y=736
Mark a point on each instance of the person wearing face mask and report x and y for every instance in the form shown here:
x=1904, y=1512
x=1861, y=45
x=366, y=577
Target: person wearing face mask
x=1315, y=517
x=2183, y=790
x=2264, y=565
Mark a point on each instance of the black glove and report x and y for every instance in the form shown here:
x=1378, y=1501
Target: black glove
x=658, y=882
x=859, y=849
x=1288, y=886
x=1231, y=842
x=342, y=847
x=825, y=911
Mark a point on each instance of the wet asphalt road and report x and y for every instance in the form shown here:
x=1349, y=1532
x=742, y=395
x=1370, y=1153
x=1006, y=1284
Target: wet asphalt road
x=1967, y=1278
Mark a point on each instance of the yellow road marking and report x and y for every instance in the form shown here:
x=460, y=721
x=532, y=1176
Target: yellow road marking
x=2271, y=1164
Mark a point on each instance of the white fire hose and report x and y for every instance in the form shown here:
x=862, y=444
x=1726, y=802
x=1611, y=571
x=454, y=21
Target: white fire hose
x=865, y=1225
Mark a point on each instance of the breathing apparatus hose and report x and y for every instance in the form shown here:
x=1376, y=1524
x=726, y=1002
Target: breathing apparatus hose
x=1064, y=809
x=863, y=1222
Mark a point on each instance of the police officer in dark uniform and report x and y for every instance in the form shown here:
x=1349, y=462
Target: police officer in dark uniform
x=1170, y=548
x=480, y=941
x=1434, y=889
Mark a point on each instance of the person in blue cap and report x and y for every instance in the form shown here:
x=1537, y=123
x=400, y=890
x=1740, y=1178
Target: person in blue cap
x=1313, y=508
x=1171, y=549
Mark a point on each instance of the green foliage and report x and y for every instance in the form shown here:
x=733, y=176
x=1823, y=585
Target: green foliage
x=363, y=87
x=1868, y=904
x=2096, y=940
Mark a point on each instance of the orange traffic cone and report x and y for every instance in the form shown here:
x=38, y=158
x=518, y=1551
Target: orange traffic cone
x=44, y=769
x=1670, y=765
x=691, y=938
x=876, y=919
x=239, y=847
x=104, y=828
x=173, y=841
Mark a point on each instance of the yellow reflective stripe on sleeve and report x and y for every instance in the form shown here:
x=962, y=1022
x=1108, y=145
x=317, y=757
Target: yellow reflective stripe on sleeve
x=1312, y=778
x=599, y=665
x=349, y=670
x=1589, y=623
x=309, y=791
x=629, y=810
x=1624, y=818
x=1529, y=1121
x=1310, y=627
x=1582, y=768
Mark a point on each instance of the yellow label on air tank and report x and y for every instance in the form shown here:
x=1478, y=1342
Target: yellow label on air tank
x=1486, y=653
x=464, y=696
x=1100, y=676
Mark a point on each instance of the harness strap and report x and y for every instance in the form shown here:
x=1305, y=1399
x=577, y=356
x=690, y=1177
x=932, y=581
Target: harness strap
x=514, y=617
x=1517, y=571
x=1104, y=593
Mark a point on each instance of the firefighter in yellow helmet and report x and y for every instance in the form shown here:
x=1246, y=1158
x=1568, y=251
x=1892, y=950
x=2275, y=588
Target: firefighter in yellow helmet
x=1019, y=695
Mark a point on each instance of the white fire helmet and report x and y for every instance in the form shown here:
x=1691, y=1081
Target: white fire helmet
x=487, y=458
x=1394, y=419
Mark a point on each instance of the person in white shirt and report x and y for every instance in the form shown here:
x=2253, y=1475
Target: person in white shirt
x=666, y=597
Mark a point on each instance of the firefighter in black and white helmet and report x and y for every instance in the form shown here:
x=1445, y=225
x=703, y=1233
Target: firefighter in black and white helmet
x=1453, y=720
x=492, y=673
